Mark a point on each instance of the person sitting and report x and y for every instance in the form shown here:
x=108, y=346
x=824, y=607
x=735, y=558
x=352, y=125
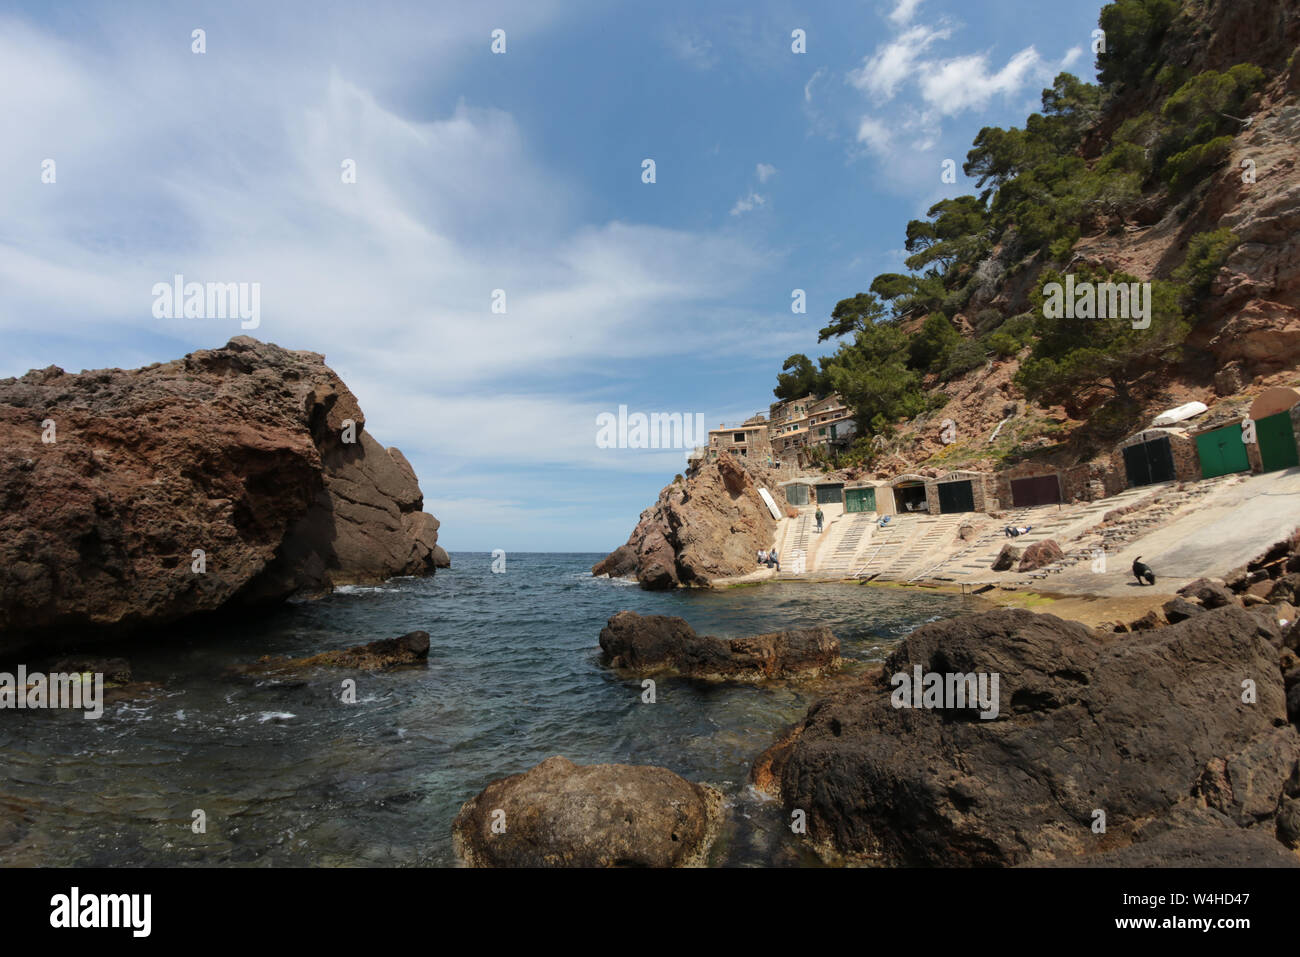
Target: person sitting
x=774, y=559
x=762, y=556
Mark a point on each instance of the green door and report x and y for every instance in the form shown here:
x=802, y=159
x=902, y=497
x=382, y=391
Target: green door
x=1221, y=452
x=860, y=500
x=1276, y=442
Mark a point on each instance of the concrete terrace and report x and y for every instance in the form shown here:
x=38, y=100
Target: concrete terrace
x=1183, y=530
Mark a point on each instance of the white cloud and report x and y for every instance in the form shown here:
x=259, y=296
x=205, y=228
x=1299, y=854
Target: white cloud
x=812, y=80
x=874, y=135
x=965, y=82
x=748, y=203
x=765, y=171
x=1071, y=57
x=902, y=14
x=882, y=73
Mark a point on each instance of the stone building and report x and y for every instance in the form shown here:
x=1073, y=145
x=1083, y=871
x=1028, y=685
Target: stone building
x=1157, y=455
x=749, y=439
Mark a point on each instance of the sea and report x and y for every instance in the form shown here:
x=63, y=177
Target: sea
x=220, y=767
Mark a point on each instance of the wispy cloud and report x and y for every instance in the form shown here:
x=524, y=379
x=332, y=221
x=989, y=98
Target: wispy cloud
x=764, y=171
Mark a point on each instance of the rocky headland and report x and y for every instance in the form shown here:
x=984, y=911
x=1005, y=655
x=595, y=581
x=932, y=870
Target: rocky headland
x=229, y=478
x=709, y=525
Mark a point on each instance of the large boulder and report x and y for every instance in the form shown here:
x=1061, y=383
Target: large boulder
x=1133, y=726
x=1039, y=554
x=560, y=814
x=229, y=477
x=648, y=644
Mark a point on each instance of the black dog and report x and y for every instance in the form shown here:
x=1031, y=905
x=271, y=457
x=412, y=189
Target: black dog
x=1142, y=570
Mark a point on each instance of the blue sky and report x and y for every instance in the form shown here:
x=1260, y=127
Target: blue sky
x=477, y=171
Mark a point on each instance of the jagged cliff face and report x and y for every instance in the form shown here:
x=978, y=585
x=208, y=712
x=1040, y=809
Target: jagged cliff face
x=1247, y=332
x=239, y=453
x=709, y=526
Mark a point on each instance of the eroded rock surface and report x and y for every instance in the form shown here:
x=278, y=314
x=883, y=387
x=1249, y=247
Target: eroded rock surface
x=561, y=814
x=238, y=453
x=649, y=644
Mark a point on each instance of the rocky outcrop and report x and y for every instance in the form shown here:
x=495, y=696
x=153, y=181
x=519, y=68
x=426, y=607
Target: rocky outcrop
x=1151, y=729
x=402, y=651
x=233, y=476
x=560, y=814
x=649, y=644
x=709, y=526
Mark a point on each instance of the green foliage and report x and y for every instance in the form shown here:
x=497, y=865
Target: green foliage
x=799, y=377
x=1198, y=121
x=1205, y=254
x=968, y=355
x=1012, y=336
x=907, y=294
x=851, y=315
x=933, y=343
x=1072, y=353
x=1133, y=29
x=872, y=376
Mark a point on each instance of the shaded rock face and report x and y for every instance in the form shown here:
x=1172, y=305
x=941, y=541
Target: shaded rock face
x=1039, y=554
x=709, y=526
x=239, y=452
x=560, y=814
x=1146, y=728
x=648, y=644
x=1006, y=559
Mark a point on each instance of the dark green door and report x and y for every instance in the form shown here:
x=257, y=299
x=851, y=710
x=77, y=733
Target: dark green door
x=956, y=497
x=1221, y=452
x=1276, y=438
x=859, y=500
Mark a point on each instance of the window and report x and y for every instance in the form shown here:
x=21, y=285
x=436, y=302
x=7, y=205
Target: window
x=821, y=431
x=738, y=437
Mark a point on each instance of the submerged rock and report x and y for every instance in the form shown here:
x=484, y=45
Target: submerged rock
x=402, y=651
x=561, y=814
x=648, y=644
x=1137, y=727
x=230, y=477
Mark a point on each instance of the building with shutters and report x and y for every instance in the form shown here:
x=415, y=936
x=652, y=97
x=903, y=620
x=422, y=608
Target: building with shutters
x=1159, y=455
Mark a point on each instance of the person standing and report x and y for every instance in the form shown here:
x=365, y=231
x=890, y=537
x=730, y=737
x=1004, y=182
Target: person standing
x=820, y=518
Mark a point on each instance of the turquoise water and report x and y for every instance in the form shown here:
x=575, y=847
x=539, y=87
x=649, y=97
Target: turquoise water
x=286, y=774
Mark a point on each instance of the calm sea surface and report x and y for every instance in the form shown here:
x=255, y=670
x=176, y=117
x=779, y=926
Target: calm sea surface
x=286, y=774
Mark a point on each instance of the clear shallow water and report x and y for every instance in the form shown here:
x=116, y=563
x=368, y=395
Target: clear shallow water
x=288, y=775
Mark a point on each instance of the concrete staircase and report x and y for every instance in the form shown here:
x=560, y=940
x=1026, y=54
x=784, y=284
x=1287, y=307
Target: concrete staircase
x=844, y=541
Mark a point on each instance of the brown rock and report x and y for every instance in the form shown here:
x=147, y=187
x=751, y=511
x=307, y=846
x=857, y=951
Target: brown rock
x=1210, y=593
x=1009, y=555
x=1076, y=730
x=1180, y=609
x=560, y=814
x=648, y=644
x=238, y=452
x=403, y=651
x=1039, y=554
